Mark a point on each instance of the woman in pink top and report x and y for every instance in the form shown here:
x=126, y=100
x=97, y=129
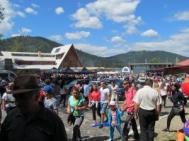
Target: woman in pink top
x=94, y=99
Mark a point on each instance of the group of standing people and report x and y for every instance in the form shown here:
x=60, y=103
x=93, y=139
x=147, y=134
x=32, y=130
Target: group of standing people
x=103, y=102
x=32, y=109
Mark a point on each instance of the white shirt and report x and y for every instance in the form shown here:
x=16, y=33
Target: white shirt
x=104, y=93
x=114, y=89
x=86, y=90
x=163, y=92
x=147, y=98
x=50, y=103
x=9, y=100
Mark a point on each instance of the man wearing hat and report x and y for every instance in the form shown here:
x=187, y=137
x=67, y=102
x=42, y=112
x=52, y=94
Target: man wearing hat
x=29, y=121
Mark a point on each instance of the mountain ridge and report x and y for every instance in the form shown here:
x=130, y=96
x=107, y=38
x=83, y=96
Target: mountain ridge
x=34, y=44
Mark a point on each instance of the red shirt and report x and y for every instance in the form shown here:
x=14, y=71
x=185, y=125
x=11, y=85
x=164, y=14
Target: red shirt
x=94, y=96
x=129, y=95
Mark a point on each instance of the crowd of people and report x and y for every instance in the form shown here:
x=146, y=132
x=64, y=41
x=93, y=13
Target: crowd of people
x=33, y=104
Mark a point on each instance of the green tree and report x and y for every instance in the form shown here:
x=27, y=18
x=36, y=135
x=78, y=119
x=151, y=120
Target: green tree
x=155, y=60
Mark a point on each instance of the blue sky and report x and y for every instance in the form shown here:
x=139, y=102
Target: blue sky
x=102, y=27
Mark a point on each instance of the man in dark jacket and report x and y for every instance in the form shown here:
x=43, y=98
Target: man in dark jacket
x=29, y=121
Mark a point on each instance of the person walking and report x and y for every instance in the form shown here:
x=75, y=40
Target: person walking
x=163, y=92
x=178, y=101
x=63, y=93
x=105, y=97
x=147, y=107
x=76, y=106
x=128, y=106
x=30, y=121
x=86, y=89
x=114, y=89
x=94, y=101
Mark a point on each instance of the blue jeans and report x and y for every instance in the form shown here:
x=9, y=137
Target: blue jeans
x=103, y=107
x=111, y=135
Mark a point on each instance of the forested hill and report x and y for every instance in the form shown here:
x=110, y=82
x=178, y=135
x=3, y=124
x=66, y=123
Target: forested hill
x=34, y=44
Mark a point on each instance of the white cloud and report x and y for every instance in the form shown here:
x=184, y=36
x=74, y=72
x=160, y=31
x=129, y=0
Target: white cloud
x=30, y=10
x=58, y=38
x=99, y=50
x=118, y=41
x=177, y=43
x=21, y=14
x=16, y=5
x=150, y=33
x=132, y=23
x=185, y=30
x=84, y=20
x=116, y=10
x=15, y=34
x=182, y=16
x=131, y=29
x=119, y=11
x=25, y=30
x=6, y=24
x=35, y=5
x=77, y=35
x=59, y=10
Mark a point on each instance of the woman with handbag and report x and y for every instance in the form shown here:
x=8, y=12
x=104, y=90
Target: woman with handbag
x=178, y=101
x=76, y=106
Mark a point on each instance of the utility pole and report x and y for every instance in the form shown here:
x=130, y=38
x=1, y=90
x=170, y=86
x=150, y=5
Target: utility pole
x=146, y=61
x=176, y=60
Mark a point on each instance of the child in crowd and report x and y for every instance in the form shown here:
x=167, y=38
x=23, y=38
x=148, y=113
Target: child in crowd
x=114, y=119
x=50, y=101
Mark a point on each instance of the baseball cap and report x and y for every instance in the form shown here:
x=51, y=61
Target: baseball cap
x=48, y=89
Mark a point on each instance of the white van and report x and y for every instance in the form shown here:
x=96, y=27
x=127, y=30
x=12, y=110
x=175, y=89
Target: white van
x=7, y=75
